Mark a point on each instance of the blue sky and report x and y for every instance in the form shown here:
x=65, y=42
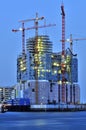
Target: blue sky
x=11, y=11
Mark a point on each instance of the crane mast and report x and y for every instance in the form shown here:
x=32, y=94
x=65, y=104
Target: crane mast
x=63, y=29
x=36, y=23
x=23, y=38
x=63, y=53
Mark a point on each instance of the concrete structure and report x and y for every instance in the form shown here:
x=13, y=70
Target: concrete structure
x=76, y=94
x=36, y=90
x=53, y=93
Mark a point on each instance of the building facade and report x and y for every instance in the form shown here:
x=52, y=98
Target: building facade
x=7, y=93
x=39, y=74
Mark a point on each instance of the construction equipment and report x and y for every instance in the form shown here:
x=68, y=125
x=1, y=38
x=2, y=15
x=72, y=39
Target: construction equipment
x=70, y=40
x=35, y=22
x=63, y=54
x=63, y=29
x=23, y=29
x=34, y=27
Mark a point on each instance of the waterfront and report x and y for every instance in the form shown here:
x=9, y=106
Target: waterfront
x=43, y=120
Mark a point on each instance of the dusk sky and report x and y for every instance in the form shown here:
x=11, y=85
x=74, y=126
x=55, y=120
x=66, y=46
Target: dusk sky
x=11, y=11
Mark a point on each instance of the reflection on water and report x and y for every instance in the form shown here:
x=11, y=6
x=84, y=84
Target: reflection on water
x=43, y=121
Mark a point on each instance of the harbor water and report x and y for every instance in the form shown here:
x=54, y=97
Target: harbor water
x=43, y=121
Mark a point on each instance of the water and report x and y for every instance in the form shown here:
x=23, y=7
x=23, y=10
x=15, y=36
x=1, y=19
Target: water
x=43, y=121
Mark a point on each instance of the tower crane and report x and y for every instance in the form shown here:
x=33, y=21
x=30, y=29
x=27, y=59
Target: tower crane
x=29, y=28
x=23, y=29
x=35, y=22
x=71, y=40
x=63, y=29
x=63, y=53
x=63, y=58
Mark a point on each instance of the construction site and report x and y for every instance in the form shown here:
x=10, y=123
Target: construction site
x=45, y=77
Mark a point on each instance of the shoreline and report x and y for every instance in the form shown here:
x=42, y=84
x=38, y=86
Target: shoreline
x=45, y=108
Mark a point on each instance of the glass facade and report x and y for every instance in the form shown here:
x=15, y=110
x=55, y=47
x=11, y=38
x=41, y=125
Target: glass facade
x=21, y=68
x=41, y=63
x=74, y=69
x=39, y=50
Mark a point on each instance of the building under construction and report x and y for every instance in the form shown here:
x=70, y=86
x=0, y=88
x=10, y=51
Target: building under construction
x=39, y=74
x=46, y=77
